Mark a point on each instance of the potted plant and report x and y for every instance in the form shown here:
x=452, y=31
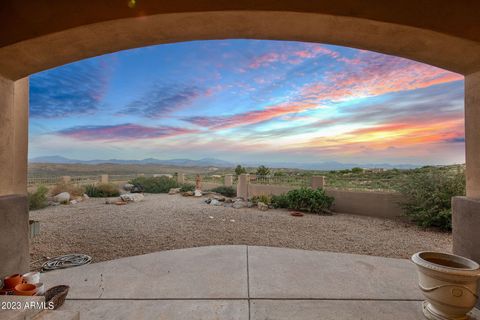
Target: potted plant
x=449, y=284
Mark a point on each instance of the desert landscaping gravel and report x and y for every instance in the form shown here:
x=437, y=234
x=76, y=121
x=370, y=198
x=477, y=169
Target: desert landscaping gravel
x=165, y=222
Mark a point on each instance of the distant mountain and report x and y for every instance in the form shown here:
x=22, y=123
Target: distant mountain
x=212, y=162
x=331, y=165
x=206, y=162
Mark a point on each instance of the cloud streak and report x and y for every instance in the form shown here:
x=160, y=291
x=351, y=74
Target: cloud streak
x=163, y=100
x=126, y=131
x=69, y=90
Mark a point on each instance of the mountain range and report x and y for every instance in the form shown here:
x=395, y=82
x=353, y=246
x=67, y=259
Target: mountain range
x=212, y=162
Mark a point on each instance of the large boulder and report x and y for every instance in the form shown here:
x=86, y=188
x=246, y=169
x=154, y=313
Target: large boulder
x=132, y=197
x=128, y=187
x=215, y=202
x=219, y=198
x=239, y=204
x=62, y=197
x=262, y=206
x=174, y=191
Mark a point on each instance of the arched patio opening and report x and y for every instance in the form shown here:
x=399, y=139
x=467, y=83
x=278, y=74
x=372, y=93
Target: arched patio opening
x=41, y=36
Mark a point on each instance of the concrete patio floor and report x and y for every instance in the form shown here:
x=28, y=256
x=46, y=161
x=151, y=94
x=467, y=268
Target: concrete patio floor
x=243, y=282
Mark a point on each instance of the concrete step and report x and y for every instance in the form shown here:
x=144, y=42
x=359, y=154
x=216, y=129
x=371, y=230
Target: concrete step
x=57, y=315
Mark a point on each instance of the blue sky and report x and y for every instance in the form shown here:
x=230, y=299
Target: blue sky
x=249, y=100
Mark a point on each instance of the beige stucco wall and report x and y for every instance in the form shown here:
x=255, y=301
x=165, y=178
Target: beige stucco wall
x=376, y=204
x=367, y=203
x=472, y=134
x=13, y=136
x=265, y=189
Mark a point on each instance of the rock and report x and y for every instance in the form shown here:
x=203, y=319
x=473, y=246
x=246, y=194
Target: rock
x=228, y=200
x=62, y=197
x=85, y=196
x=249, y=204
x=198, y=193
x=187, y=194
x=132, y=197
x=207, y=201
x=239, y=204
x=219, y=198
x=73, y=202
x=262, y=206
x=215, y=202
x=128, y=187
x=137, y=189
x=174, y=191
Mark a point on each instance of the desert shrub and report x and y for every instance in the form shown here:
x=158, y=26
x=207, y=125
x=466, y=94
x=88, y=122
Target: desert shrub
x=239, y=170
x=161, y=184
x=263, y=171
x=102, y=190
x=75, y=191
x=280, y=201
x=309, y=200
x=225, y=191
x=187, y=187
x=304, y=199
x=38, y=199
x=428, y=197
x=261, y=198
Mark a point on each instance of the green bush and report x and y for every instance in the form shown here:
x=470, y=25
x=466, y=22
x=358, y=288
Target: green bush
x=38, y=199
x=428, y=197
x=161, y=184
x=309, y=200
x=225, y=191
x=187, y=187
x=304, y=199
x=263, y=171
x=280, y=201
x=102, y=190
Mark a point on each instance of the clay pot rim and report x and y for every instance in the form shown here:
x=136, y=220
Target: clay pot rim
x=31, y=291
x=12, y=276
x=471, y=267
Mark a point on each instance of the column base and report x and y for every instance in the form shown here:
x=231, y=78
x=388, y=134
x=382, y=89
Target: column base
x=14, y=235
x=466, y=227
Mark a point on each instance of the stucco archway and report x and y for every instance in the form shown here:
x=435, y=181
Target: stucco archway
x=40, y=35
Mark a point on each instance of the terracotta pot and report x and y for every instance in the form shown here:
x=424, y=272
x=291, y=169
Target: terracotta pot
x=25, y=289
x=11, y=281
x=449, y=284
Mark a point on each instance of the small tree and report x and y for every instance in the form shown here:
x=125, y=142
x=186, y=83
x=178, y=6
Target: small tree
x=428, y=197
x=263, y=171
x=239, y=170
x=357, y=170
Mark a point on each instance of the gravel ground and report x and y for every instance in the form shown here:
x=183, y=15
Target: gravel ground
x=164, y=222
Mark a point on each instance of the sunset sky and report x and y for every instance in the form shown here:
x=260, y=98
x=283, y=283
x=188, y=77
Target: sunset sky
x=249, y=100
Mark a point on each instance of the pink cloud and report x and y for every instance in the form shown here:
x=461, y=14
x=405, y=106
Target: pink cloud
x=292, y=56
x=252, y=117
x=122, y=132
x=374, y=74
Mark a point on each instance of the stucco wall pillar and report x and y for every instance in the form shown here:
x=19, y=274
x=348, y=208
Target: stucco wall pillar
x=14, y=242
x=466, y=210
x=318, y=182
x=242, y=185
x=472, y=134
x=228, y=180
